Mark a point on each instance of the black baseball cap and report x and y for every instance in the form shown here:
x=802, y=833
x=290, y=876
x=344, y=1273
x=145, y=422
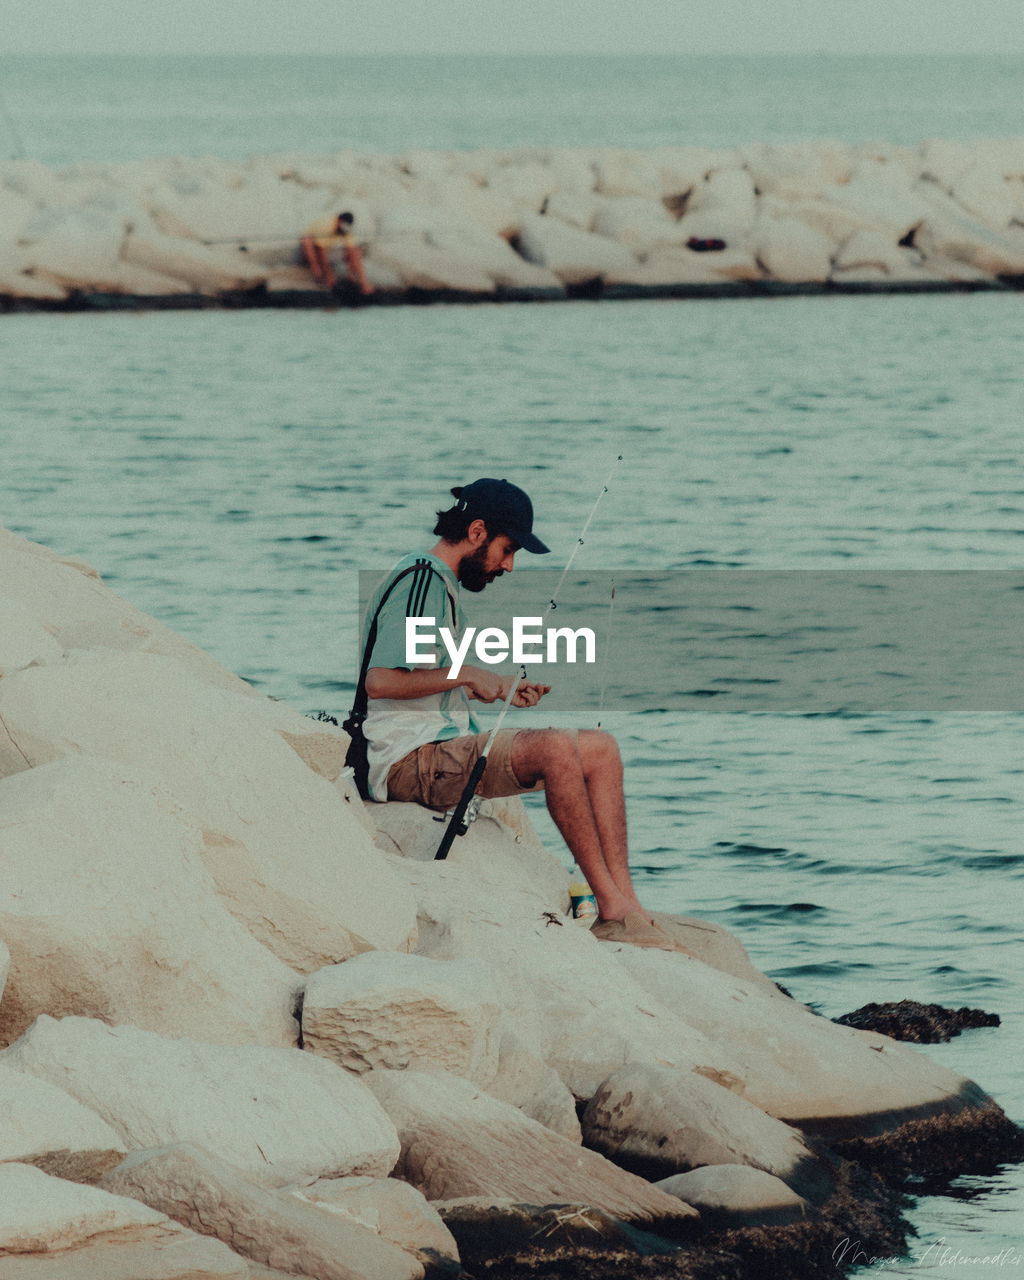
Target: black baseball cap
x=505, y=507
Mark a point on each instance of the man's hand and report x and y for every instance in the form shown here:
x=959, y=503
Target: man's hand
x=481, y=684
x=529, y=693
x=488, y=686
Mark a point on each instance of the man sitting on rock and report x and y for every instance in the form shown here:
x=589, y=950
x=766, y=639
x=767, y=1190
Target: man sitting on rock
x=422, y=738
x=321, y=238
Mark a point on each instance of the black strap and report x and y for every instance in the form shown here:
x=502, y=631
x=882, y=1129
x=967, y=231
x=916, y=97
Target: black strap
x=360, y=704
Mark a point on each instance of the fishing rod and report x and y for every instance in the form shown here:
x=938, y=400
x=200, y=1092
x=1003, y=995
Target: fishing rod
x=466, y=810
x=261, y=239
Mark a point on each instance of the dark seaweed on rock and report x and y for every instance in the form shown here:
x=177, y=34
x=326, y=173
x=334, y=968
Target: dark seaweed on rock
x=862, y=1221
x=915, y=1022
x=933, y=1150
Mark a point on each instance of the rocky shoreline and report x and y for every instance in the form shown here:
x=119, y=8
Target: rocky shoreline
x=525, y=225
x=250, y=1028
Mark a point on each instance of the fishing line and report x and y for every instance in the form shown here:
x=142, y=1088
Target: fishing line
x=469, y=802
x=607, y=660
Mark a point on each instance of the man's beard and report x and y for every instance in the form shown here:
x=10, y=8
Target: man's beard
x=472, y=571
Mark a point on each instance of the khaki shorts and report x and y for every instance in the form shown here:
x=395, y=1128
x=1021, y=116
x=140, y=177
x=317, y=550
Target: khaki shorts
x=436, y=773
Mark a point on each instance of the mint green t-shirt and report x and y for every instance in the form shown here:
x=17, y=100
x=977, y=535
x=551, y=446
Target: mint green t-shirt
x=396, y=726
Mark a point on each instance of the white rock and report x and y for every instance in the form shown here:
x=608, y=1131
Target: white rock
x=455, y=202
x=316, y=172
x=491, y=211
x=383, y=1009
x=732, y=1195
x=986, y=194
x=578, y=209
x=870, y=249
x=324, y=749
x=74, y=246
x=717, y=947
x=1007, y=154
x=16, y=210
x=417, y=219
x=295, y=279
x=138, y=282
x=379, y=185
x=394, y=1210
x=801, y=1068
x=628, y=173
x=494, y=257
x=289, y=859
x=207, y=1194
x=109, y=912
x=383, y=278
x=717, y=222
x=526, y=1082
x=14, y=283
x=946, y=231
x=834, y=221
x=457, y=1141
x=113, y=202
x=73, y=605
x=882, y=196
x=639, y=224
x=935, y=267
x=665, y=266
x=565, y=993
x=946, y=162
x=727, y=201
x=574, y=256
x=527, y=185
x=888, y=155
x=206, y=270
x=56, y=1230
x=42, y=1213
x=475, y=165
x=426, y=164
x=46, y=1127
x=33, y=180
x=684, y=168
x=574, y=171
x=792, y=252
x=799, y=170
x=422, y=266
x=676, y=1120
x=501, y=847
x=279, y=1115
x=169, y=1252
x=24, y=639
x=255, y=204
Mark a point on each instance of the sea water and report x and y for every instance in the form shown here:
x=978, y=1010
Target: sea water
x=231, y=472
x=63, y=110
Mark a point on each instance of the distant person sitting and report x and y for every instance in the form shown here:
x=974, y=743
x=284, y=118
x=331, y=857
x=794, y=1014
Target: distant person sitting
x=319, y=240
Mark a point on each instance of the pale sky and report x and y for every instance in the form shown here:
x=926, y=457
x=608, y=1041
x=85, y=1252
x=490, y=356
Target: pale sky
x=513, y=26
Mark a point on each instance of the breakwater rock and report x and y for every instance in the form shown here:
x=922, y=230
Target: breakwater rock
x=250, y=1027
x=530, y=224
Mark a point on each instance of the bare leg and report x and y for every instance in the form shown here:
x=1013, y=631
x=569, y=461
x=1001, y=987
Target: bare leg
x=575, y=776
x=602, y=772
x=356, y=271
x=319, y=263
